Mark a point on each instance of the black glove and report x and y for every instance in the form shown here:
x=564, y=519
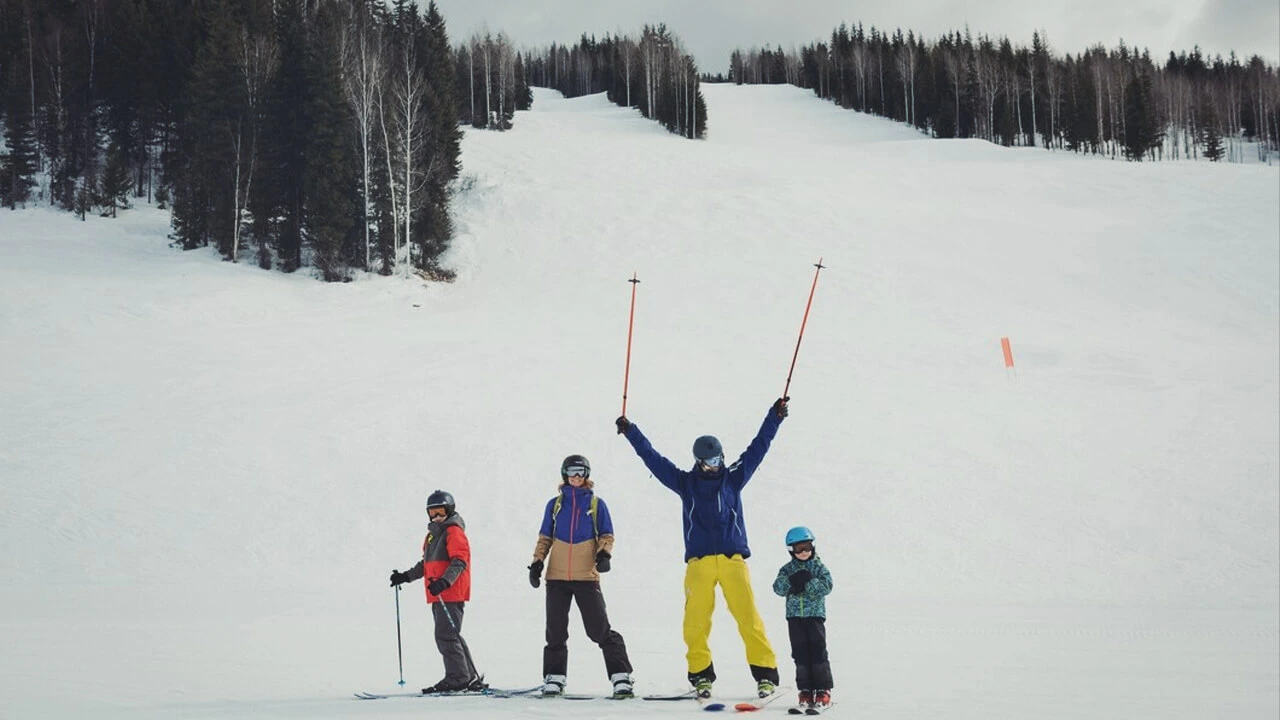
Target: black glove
x=623, y=423
x=799, y=579
x=780, y=406
x=602, y=561
x=535, y=573
x=438, y=586
x=398, y=578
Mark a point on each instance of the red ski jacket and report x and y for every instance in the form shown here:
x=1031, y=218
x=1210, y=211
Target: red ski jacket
x=446, y=553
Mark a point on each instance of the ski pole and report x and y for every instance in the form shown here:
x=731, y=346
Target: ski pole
x=466, y=651
x=803, y=322
x=399, y=647
x=631, y=319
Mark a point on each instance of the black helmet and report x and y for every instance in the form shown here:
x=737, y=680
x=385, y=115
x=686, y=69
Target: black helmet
x=707, y=447
x=442, y=499
x=572, y=460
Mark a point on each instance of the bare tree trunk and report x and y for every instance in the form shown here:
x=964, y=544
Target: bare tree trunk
x=408, y=98
x=626, y=65
x=488, y=86
x=256, y=59
x=471, y=66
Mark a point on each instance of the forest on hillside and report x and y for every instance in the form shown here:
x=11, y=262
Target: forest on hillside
x=1117, y=101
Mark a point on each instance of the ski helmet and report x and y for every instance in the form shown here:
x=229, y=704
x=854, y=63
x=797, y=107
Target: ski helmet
x=799, y=534
x=442, y=499
x=575, y=460
x=707, y=447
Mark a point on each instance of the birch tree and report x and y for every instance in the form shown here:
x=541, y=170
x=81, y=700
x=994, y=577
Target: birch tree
x=407, y=95
x=363, y=80
x=256, y=60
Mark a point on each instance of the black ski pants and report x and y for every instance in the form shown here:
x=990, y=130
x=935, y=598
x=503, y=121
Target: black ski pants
x=595, y=619
x=809, y=651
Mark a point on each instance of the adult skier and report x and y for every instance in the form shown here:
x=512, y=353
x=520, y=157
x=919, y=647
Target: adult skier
x=715, y=545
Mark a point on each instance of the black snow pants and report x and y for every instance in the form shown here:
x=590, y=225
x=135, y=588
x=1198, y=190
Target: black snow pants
x=809, y=651
x=595, y=619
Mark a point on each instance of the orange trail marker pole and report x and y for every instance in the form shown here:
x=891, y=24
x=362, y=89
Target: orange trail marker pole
x=803, y=322
x=1008, y=356
x=631, y=320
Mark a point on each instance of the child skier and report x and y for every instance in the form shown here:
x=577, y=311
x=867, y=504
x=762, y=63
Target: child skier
x=805, y=581
x=446, y=565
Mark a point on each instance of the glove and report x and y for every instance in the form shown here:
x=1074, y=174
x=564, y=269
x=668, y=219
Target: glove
x=799, y=579
x=602, y=561
x=438, y=586
x=398, y=578
x=623, y=423
x=535, y=573
x=780, y=406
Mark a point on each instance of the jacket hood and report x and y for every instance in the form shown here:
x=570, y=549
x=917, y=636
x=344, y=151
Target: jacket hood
x=437, y=526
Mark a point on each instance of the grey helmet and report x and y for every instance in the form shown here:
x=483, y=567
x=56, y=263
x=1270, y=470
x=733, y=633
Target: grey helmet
x=706, y=448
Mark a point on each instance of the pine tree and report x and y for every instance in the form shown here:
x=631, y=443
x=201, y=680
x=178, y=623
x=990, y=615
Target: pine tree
x=201, y=179
x=18, y=165
x=524, y=94
x=1209, y=136
x=284, y=192
x=442, y=148
x=116, y=182
x=331, y=184
x=1141, y=133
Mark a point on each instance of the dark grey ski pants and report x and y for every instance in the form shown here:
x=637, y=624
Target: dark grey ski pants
x=595, y=619
x=453, y=649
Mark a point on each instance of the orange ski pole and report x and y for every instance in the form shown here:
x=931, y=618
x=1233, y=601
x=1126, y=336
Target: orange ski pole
x=803, y=322
x=631, y=320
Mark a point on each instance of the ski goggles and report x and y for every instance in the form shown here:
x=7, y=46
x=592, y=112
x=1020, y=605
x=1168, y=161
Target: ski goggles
x=712, y=462
x=437, y=513
x=804, y=547
x=576, y=471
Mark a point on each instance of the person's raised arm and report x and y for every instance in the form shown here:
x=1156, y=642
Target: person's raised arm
x=663, y=469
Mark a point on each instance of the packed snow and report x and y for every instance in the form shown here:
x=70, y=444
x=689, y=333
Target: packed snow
x=208, y=471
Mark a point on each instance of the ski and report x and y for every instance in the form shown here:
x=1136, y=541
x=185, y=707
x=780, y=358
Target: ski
x=818, y=710
x=797, y=709
x=760, y=703
x=688, y=695
x=488, y=692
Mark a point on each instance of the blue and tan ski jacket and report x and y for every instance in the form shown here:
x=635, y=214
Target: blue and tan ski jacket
x=575, y=526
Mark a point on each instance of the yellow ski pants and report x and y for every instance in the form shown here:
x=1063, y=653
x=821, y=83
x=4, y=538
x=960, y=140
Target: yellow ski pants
x=701, y=575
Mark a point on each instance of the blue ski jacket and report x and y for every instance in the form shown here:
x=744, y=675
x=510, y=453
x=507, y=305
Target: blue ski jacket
x=711, y=503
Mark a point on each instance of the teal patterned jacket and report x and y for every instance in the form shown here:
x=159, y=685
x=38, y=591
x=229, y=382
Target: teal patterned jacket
x=809, y=603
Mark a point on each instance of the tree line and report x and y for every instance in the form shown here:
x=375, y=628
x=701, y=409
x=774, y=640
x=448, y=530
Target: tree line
x=653, y=74
x=291, y=133
x=492, y=75
x=1104, y=101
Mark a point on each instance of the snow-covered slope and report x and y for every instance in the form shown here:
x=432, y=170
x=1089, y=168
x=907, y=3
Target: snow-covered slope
x=208, y=471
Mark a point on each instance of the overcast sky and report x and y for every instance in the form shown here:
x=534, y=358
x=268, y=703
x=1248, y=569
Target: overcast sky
x=711, y=29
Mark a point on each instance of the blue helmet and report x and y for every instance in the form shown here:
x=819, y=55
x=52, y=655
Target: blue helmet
x=799, y=534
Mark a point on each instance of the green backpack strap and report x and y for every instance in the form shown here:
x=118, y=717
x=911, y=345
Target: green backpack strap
x=595, y=520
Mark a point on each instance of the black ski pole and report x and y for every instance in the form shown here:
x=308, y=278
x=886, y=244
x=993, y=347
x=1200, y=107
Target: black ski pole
x=399, y=647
